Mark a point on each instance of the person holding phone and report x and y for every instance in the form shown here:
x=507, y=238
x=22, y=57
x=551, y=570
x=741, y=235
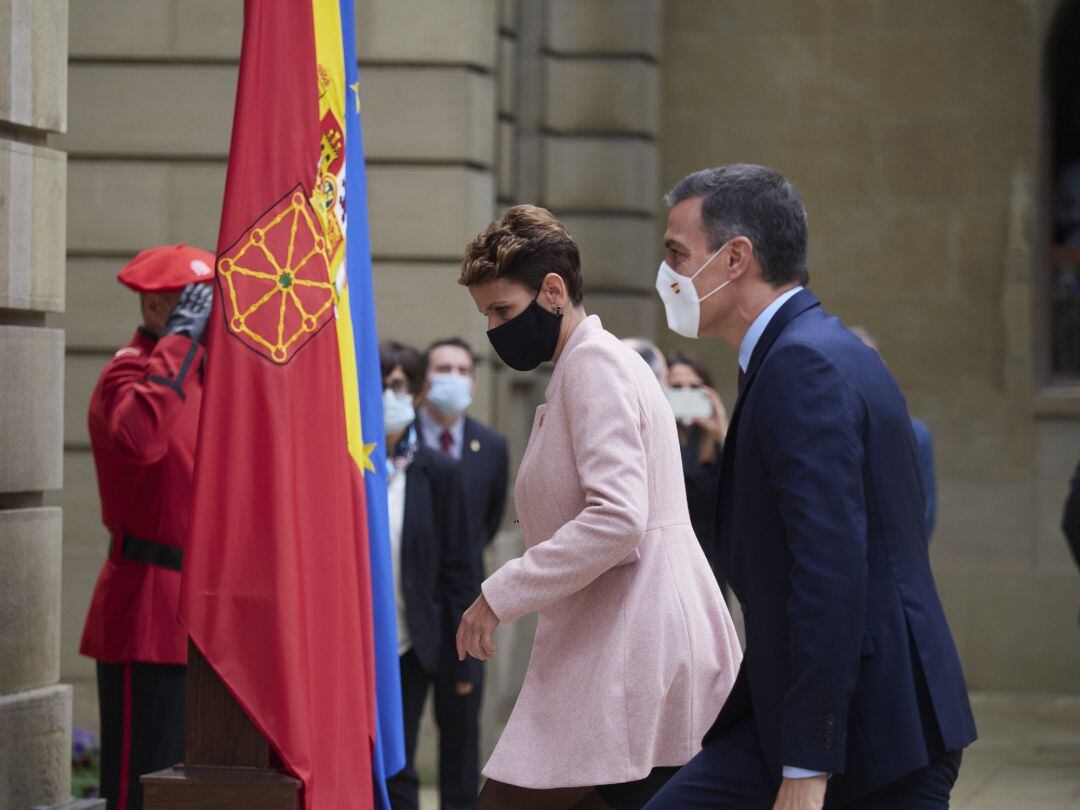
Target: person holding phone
x=702, y=423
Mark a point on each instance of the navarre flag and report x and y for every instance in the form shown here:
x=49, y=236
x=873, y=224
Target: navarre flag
x=286, y=570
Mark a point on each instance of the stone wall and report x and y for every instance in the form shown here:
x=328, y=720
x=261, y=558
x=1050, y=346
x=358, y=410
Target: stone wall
x=913, y=130
x=35, y=709
x=152, y=91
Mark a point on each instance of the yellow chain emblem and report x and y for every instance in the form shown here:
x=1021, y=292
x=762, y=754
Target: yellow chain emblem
x=276, y=280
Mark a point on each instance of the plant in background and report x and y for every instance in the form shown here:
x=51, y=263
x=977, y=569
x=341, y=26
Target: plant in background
x=85, y=763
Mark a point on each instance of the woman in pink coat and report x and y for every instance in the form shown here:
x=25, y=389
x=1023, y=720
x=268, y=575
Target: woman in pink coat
x=635, y=651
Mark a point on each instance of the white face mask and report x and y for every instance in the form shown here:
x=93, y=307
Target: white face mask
x=681, y=302
x=451, y=394
x=398, y=411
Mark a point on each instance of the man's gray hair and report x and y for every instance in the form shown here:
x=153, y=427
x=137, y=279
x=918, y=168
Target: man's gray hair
x=743, y=199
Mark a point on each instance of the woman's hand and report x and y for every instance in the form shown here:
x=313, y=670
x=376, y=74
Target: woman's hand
x=715, y=428
x=474, y=633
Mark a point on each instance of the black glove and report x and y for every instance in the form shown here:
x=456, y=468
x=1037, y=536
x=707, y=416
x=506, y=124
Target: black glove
x=191, y=312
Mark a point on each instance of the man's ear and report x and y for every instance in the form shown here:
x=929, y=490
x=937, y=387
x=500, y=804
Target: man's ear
x=741, y=252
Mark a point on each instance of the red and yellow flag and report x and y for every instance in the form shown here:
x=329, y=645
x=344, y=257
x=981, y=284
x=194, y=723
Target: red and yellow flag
x=277, y=582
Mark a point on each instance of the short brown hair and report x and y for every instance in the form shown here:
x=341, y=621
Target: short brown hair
x=524, y=246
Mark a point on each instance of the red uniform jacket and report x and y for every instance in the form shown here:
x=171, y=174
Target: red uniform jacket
x=144, y=416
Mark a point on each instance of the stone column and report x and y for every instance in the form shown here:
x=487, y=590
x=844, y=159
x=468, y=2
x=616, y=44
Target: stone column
x=35, y=710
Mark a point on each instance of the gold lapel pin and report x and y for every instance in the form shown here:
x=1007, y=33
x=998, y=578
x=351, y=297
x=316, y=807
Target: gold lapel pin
x=475, y=446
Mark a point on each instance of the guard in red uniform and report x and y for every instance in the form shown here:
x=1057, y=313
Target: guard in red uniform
x=144, y=415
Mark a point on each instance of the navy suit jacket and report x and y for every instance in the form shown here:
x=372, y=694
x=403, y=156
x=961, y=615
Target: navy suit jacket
x=484, y=469
x=439, y=573
x=850, y=667
x=485, y=463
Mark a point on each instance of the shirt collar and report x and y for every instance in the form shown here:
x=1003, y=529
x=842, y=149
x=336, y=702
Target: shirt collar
x=432, y=430
x=757, y=328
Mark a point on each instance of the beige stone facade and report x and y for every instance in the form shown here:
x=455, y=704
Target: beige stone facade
x=35, y=708
x=914, y=130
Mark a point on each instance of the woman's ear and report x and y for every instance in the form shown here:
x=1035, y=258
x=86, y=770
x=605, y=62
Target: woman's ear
x=554, y=291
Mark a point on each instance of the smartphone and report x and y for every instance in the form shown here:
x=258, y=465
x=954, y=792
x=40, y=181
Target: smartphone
x=689, y=404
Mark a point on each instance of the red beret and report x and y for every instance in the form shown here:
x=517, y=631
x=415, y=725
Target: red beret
x=171, y=267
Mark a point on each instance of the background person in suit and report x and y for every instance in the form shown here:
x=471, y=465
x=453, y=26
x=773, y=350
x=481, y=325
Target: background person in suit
x=632, y=631
x=445, y=428
x=1070, y=519
x=435, y=575
x=850, y=668
x=924, y=443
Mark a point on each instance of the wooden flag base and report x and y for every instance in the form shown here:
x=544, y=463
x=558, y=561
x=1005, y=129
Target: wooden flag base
x=226, y=759
x=183, y=788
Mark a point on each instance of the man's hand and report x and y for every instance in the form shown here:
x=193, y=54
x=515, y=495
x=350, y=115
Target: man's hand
x=191, y=312
x=474, y=633
x=802, y=794
x=463, y=688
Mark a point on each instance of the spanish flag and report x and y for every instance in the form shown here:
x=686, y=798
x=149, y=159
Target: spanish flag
x=287, y=590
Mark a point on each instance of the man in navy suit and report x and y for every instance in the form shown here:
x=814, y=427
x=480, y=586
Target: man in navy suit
x=445, y=427
x=851, y=692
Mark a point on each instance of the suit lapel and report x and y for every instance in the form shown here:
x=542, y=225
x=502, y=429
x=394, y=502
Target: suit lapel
x=414, y=487
x=468, y=435
x=792, y=308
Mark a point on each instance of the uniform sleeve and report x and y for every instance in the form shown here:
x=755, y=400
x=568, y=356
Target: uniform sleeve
x=142, y=399
x=606, y=428
x=809, y=429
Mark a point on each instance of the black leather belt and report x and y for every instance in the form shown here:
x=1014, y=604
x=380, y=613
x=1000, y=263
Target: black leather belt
x=152, y=553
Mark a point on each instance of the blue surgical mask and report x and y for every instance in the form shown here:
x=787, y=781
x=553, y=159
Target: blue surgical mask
x=451, y=394
x=398, y=412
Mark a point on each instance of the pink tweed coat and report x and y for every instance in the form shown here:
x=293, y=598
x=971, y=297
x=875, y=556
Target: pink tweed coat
x=635, y=651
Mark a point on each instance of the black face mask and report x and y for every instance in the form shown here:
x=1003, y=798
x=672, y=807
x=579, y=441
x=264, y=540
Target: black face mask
x=529, y=339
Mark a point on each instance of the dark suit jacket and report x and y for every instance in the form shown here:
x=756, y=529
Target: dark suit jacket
x=1070, y=520
x=924, y=444
x=439, y=574
x=850, y=667
x=484, y=466
x=484, y=469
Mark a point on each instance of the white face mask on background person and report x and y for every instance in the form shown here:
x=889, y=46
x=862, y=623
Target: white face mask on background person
x=398, y=412
x=451, y=394
x=681, y=302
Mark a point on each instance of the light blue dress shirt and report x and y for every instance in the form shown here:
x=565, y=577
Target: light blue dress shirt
x=746, y=351
x=757, y=328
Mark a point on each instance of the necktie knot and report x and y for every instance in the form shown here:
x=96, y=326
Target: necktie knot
x=446, y=441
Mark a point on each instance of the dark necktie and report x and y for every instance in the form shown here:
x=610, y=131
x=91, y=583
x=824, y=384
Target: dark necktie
x=446, y=441
x=742, y=378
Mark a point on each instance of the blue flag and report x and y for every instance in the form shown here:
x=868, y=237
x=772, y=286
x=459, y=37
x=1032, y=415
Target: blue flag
x=389, y=756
